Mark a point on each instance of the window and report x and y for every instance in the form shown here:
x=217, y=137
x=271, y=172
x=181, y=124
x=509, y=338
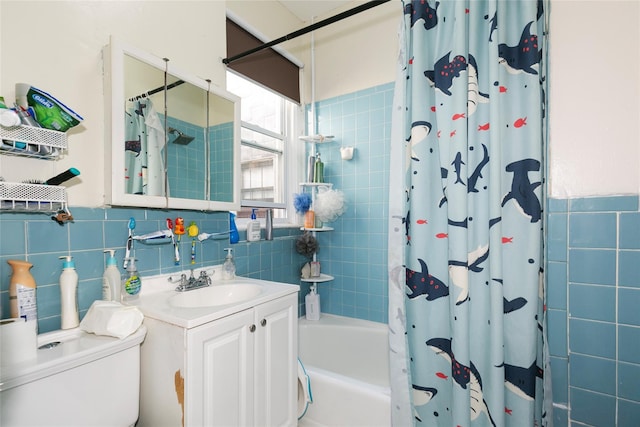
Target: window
x=268, y=152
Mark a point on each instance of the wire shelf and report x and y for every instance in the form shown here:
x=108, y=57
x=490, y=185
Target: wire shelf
x=29, y=141
x=32, y=197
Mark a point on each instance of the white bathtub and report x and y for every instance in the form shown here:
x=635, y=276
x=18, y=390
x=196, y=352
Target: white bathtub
x=347, y=361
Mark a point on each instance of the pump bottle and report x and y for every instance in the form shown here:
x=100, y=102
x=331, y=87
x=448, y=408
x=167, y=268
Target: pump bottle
x=253, y=228
x=229, y=266
x=312, y=304
x=111, y=279
x=132, y=283
x=69, y=294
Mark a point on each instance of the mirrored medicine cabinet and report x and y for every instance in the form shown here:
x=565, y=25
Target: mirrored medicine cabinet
x=173, y=139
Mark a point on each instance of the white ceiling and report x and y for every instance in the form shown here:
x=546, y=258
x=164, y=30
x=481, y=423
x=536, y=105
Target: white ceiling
x=308, y=9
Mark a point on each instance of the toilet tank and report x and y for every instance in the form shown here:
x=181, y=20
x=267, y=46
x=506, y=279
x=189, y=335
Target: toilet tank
x=77, y=379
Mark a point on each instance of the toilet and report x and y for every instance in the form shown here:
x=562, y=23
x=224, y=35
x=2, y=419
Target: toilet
x=77, y=379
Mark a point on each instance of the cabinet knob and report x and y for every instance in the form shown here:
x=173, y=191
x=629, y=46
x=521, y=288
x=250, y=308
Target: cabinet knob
x=252, y=328
x=263, y=322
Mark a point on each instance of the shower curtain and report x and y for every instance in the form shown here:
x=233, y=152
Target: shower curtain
x=144, y=144
x=466, y=306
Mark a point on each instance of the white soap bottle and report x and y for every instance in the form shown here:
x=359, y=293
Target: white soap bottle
x=253, y=228
x=111, y=278
x=69, y=294
x=312, y=304
x=229, y=266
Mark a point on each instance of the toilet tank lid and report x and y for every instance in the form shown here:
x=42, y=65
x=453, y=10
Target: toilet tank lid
x=63, y=350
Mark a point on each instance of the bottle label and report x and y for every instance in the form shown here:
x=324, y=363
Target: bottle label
x=132, y=285
x=27, y=307
x=106, y=291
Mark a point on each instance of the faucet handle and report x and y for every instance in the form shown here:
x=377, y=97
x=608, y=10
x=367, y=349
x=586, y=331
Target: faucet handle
x=204, y=277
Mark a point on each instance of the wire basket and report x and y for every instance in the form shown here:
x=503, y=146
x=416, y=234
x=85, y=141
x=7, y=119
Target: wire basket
x=32, y=197
x=31, y=141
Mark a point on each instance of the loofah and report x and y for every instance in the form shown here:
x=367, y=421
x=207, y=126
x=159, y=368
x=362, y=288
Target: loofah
x=302, y=202
x=329, y=204
x=306, y=244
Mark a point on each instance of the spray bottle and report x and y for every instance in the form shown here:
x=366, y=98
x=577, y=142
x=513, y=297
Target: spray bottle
x=111, y=279
x=234, y=236
x=132, y=283
x=22, y=291
x=69, y=294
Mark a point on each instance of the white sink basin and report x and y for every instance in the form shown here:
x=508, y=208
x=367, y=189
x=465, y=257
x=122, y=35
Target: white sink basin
x=216, y=295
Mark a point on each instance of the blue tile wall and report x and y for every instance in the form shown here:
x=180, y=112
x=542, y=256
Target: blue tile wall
x=593, y=281
x=186, y=163
x=39, y=240
x=355, y=253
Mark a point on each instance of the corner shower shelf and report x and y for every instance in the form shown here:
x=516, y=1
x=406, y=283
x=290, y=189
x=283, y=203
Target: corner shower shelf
x=317, y=229
x=20, y=197
x=318, y=279
x=29, y=141
x=317, y=139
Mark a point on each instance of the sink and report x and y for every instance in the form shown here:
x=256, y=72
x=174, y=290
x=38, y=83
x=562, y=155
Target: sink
x=216, y=295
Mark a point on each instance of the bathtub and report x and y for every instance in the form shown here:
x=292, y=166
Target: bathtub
x=347, y=361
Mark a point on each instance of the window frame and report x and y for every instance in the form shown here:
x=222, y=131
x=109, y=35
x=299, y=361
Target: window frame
x=293, y=151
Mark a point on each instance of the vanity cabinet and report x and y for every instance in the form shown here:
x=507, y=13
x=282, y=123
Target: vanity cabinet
x=239, y=370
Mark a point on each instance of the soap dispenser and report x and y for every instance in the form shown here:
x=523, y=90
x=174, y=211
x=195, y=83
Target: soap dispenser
x=111, y=278
x=131, y=285
x=253, y=228
x=229, y=266
x=312, y=304
x=69, y=294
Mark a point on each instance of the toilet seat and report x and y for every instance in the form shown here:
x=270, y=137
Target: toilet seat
x=304, y=390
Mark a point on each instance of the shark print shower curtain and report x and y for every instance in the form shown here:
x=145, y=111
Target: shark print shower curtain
x=466, y=311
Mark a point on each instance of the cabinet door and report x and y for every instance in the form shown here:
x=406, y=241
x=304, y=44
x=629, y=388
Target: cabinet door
x=220, y=372
x=276, y=387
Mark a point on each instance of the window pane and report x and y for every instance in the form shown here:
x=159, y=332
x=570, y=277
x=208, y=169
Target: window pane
x=260, y=176
x=257, y=138
x=260, y=106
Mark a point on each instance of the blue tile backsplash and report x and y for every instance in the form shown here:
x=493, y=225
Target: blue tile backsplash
x=40, y=241
x=593, y=281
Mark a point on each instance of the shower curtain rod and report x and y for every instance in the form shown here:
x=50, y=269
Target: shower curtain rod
x=156, y=90
x=307, y=29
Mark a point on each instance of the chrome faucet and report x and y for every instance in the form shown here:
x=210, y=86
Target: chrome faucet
x=192, y=283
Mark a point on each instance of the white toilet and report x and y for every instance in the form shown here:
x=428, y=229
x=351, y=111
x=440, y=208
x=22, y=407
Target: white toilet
x=77, y=379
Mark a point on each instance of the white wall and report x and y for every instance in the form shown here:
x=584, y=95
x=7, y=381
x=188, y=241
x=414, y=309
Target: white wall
x=594, y=98
x=56, y=46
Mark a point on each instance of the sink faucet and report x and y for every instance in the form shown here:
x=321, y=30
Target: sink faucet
x=192, y=283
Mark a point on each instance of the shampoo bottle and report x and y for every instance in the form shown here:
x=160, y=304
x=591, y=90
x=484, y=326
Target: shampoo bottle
x=229, y=266
x=132, y=283
x=69, y=294
x=312, y=304
x=253, y=228
x=111, y=279
x=22, y=291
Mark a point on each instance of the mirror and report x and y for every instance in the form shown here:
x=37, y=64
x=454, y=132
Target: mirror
x=174, y=138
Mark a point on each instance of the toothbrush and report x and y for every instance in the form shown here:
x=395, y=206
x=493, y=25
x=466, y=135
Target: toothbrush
x=193, y=232
x=176, y=252
x=132, y=225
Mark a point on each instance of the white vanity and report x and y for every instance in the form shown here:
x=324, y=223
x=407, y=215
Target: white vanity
x=219, y=356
